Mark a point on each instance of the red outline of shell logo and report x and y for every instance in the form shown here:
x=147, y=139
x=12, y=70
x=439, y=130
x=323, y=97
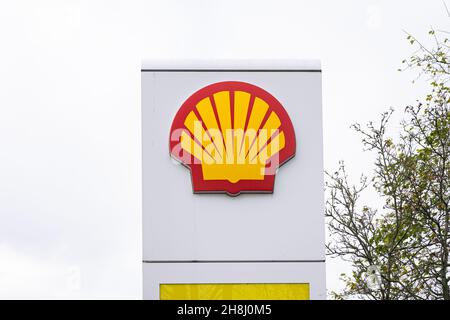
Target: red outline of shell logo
x=232, y=136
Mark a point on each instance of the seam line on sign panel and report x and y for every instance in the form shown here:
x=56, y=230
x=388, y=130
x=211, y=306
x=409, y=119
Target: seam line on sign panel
x=227, y=70
x=231, y=261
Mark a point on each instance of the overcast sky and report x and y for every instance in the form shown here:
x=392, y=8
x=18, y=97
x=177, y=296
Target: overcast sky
x=70, y=220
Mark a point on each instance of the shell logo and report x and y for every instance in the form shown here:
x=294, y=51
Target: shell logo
x=232, y=136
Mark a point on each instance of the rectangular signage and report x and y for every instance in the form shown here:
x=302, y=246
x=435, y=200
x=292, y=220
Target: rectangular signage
x=232, y=174
x=235, y=291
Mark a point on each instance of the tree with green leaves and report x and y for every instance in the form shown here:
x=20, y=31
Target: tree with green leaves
x=401, y=249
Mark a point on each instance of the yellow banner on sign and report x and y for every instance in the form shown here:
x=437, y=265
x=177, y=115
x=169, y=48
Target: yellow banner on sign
x=235, y=291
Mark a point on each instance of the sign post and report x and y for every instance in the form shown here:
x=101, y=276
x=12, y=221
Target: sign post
x=233, y=180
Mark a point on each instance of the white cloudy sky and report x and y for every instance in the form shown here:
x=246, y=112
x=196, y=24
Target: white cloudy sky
x=70, y=224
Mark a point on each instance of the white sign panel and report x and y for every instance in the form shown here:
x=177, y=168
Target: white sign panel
x=209, y=225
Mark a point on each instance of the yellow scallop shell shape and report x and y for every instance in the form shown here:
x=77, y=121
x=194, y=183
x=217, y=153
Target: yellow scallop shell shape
x=232, y=143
